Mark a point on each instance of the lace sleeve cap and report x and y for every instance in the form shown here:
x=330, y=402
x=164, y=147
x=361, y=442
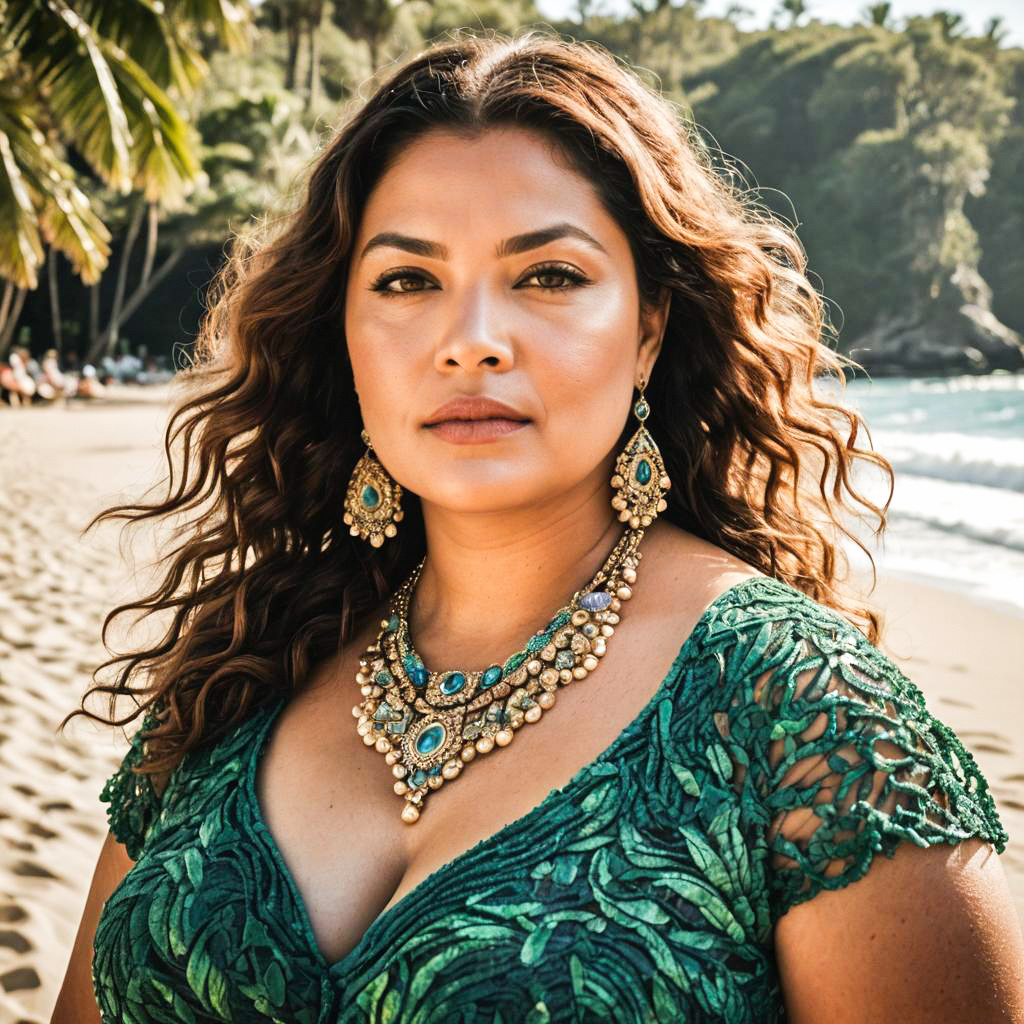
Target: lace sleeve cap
x=850, y=762
x=134, y=803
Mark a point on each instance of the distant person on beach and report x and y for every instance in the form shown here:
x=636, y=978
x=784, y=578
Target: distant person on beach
x=502, y=472
x=89, y=385
x=17, y=383
x=51, y=372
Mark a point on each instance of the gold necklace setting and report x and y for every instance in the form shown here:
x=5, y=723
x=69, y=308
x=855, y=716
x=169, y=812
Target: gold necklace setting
x=430, y=725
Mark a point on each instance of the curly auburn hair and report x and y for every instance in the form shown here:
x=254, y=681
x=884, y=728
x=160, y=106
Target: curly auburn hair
x=267, y=580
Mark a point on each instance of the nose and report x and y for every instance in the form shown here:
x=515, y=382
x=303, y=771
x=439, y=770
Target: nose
x=475, y=338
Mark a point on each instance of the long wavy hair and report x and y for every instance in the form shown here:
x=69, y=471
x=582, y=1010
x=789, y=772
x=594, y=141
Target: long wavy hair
x=267, y=580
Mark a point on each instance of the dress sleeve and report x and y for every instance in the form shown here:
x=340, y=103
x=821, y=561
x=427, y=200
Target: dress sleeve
x=133, y=799
x=848, y=761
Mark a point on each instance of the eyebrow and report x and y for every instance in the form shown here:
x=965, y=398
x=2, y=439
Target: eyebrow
x=508, y=247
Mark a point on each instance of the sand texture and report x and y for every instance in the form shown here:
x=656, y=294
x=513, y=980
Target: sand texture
x=60, y=466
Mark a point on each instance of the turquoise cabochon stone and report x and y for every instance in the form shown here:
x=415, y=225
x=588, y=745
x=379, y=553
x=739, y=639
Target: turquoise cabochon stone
x=452, y=683
x=643, y=472
x=430, y=739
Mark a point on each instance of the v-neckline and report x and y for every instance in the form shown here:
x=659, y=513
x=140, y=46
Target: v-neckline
x=339, y=967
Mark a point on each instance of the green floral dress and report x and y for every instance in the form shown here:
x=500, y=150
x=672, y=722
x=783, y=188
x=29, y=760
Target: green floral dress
x=644, y=889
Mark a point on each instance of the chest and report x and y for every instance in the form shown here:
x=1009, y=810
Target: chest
x=329, y=803
x=634, y=891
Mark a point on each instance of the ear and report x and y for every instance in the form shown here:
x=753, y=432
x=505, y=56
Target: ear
x=653, y=321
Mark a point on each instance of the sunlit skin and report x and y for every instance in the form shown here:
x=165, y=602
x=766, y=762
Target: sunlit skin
x=515, y=524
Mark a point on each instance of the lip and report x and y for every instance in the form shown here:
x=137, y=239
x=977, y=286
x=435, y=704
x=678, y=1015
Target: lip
x=474, y=407
x=475, y=431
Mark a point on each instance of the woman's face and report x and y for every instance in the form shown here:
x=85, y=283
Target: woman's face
x=484, y=268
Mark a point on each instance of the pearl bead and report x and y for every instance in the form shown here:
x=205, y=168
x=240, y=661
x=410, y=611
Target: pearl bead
x=617, y=481
x=366, y=690
x=363, y=727
x=549, y=677
x=646, y=520
x=579, y=672
x=504, y=737
x=410, y=813
x=623, y=593
x=634, y=521
x=590, y=663
x=549, y=652
x=534, y=667
x=612, y=619
x=399, y=771
x=363, y=720
x=664, y=483
x=607, y=630
x=618, y=503
x=383, y=745
x=614, y=605
x=485, y=744
x=376, y=540
x=390, y=530
x=369, y=740
x=629, y=575
x=357, y=711
x=362, y=678
x=565, y=675
x=435, y=781
x=580, y=617
x=391, y=757
x=451, y=769
x=662, y=505
x=533, y=714
x=401, y=788
x=598, y=647
x=547, y=700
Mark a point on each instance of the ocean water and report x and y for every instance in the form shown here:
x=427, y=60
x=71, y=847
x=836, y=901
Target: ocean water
x=957, y=449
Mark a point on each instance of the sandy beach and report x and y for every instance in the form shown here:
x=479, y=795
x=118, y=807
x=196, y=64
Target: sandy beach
x=59, y=466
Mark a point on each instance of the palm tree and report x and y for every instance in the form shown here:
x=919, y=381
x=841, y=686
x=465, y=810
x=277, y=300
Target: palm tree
x=877, y=14
x=995, y=30
x=796, y=9
x=103, y=81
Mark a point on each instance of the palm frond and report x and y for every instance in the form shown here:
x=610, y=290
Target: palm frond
x=21, y=251
x=65, y=217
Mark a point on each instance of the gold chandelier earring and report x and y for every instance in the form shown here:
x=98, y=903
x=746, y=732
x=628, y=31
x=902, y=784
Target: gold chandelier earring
x=373, y=499
x=640, y=480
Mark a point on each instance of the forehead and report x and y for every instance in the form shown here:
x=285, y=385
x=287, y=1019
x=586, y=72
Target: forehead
x=501, y=181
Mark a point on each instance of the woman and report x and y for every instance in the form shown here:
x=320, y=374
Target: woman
x=508, y=423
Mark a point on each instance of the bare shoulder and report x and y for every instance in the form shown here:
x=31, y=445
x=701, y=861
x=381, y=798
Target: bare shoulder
x=689, y=568
x=868, y=952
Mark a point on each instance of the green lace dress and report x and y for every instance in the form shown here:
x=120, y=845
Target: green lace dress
x=644, y=889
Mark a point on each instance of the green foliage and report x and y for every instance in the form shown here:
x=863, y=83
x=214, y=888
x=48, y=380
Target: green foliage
x=882, y=140
x=896, y=149
x=103, y=81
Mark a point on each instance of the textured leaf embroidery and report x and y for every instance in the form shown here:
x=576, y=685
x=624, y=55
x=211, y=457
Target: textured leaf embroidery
x=782, y=756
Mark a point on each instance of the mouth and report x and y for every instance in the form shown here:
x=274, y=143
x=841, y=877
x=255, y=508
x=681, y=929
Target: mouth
x=475, y=431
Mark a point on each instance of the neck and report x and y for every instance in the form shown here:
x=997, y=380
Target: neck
x=492, y=579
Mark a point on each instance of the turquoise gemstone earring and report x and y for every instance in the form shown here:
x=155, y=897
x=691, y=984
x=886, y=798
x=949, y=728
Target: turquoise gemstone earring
x=373, y=499
x=640, y=480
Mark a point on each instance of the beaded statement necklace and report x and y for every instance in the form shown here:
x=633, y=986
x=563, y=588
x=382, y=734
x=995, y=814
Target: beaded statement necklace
x=430, y=725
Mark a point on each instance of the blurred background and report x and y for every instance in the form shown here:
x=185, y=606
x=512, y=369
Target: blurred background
x=137, y=138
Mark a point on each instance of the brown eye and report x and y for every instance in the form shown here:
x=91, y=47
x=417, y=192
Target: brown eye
x=557, y=271
x=382, y=282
